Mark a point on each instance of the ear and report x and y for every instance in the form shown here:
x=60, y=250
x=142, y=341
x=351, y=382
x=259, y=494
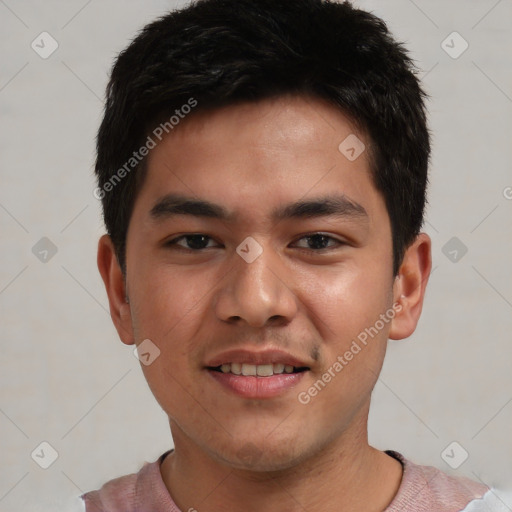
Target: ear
x=409, y=287
x=113, y=279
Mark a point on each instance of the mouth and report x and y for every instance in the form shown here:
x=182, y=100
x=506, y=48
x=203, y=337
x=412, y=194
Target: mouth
x=257, y=370
x=256, y=374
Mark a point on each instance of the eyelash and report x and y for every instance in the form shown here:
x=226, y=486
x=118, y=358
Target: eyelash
x=174, y=242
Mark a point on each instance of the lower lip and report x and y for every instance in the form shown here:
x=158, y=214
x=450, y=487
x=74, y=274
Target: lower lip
x=257, y=387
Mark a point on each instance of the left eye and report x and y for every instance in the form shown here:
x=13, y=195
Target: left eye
x=319, y=241
x=194, y=241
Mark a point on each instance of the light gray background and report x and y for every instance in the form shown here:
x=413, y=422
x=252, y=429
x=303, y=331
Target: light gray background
x=68, y=380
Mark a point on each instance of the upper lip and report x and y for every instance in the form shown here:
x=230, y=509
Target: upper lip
x=258, y=357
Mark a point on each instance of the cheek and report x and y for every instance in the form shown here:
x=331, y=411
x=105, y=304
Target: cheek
x=347, y=308
x=345, y=301
x=168, y=308
x=169, y=300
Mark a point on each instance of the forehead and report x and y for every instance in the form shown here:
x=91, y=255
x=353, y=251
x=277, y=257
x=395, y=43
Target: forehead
x=256, y=156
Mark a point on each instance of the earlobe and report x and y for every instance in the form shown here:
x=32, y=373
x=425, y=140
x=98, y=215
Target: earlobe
x=409, y=287
x=113, y=279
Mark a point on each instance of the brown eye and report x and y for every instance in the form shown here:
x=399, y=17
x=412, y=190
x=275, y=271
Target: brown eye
x=319, y=241
x=194, y=242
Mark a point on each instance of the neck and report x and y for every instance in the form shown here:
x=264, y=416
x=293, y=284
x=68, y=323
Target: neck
x=347, y=474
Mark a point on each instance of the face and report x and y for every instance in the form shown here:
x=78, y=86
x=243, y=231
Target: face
x=255, y=245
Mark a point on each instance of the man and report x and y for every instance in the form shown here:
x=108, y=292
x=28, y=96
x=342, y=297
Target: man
x=262, y=166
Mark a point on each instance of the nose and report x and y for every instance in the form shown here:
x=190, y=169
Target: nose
x=257, y=293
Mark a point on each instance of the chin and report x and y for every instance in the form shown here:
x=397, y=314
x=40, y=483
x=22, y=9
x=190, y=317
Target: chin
x=262, y=456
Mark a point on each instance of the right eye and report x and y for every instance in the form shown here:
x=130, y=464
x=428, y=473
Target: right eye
x=192, y=242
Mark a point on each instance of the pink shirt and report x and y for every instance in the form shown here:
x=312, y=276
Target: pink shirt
x=423, y=489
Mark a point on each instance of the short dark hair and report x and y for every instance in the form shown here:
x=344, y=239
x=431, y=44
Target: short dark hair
x=220, y=52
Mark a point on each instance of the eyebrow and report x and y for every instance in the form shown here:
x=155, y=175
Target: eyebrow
x=175, y=204
x=332, y=205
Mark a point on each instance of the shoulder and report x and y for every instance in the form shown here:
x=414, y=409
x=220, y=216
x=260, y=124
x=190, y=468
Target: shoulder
x=131, y=492
x=116, y=494
x=426, y=488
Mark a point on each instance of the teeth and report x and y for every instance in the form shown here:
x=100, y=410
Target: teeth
x=236, y=368
x=248, y=369
x=261, y=370
x=265, y=370
x=278, y=368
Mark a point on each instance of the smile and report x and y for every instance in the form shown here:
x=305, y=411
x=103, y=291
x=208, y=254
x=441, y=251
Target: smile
x=259, y=370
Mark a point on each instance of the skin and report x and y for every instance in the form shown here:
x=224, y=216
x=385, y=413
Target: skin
x=312, y=303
